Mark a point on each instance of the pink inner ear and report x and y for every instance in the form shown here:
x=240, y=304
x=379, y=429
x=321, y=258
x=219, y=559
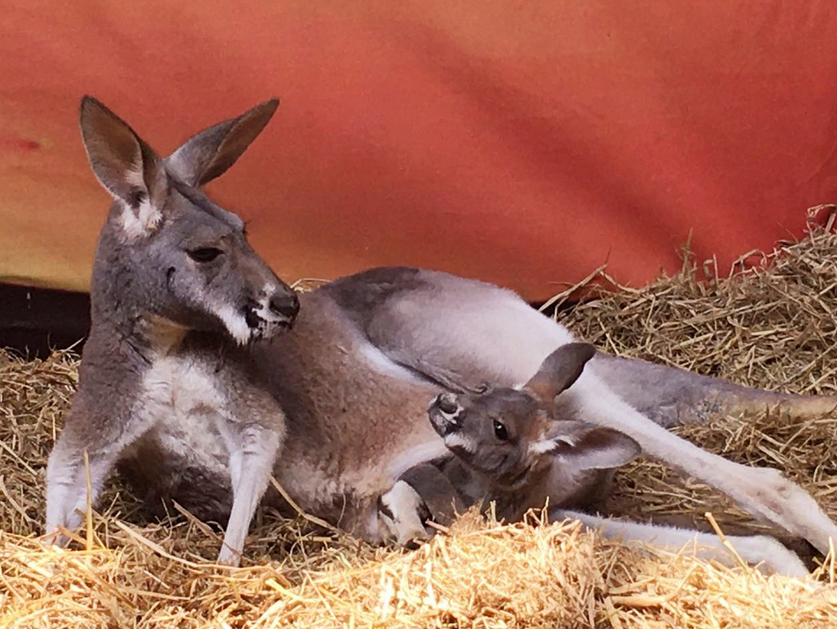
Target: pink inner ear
x=208, y=154
x=602, y=448
x=560, y=370
x=564, y=444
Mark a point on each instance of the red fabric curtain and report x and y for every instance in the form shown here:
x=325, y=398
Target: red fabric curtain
x=525, y=143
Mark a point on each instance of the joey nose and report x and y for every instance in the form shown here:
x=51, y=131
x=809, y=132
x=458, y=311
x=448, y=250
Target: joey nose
x=285, y=305
x=444, y=413
x=447, y=403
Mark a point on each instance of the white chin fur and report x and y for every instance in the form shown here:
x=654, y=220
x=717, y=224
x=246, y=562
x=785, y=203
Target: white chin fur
x=456, y=440
x=236, y=324
x=268, y=326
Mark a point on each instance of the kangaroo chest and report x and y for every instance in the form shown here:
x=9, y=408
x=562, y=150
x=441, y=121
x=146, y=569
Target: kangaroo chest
x=183, y=387
x=186, y=405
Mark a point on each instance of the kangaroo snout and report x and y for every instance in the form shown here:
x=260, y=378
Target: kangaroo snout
x=285, y=305
x=274, y=311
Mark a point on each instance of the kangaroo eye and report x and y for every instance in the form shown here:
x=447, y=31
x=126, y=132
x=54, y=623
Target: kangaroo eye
x=204, y=254
x=500, y=431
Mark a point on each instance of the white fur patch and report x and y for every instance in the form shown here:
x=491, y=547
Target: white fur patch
x=67, y=485
x=402, y=499
x=264, y=305
x=182, y=385
x=538, y=448
x=140, y=222
x=252, y=453
x=545, y=446
x=403, y=502
x=146, y=218
x=235, y=323
x=421, y=453
x=757, y=549
x=269, y=290
x=372, y=528
x=381, y=363
x=64, y=487
x=455, y=440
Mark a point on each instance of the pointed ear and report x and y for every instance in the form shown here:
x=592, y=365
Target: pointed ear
x=211, y=152
x=560, y=370
x=587, y=447
x=125, y=165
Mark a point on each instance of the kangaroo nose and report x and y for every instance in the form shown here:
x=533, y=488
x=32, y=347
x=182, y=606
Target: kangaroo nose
x=285, y=305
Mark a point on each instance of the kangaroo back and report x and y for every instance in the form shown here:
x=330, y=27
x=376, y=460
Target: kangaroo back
x=457, y=332
x=465, y=334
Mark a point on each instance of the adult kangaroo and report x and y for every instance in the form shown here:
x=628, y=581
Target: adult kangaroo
x=369, y=352
x=177, y=297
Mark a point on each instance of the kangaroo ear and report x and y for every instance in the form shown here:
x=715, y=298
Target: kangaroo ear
x=125, y=165
x=587, y=447
x=560, y=370
x=211, y=152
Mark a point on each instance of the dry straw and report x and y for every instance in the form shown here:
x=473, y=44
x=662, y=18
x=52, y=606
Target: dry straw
x=773, y=328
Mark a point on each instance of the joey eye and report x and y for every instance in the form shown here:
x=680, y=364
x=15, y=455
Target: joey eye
x=204, y=254
x=500, y=431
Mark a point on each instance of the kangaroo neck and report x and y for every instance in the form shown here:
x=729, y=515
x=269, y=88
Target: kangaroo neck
x=118, y=304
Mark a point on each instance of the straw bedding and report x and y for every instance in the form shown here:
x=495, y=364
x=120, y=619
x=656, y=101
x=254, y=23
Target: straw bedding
x=773, y=328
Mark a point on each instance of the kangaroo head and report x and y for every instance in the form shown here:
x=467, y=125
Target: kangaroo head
x=167, y=251
x=509, y=434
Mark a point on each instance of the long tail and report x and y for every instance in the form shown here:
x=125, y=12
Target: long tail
x=672, y=396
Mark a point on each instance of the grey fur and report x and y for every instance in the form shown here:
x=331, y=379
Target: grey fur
x=509, y=447
x=174, y=280
x=509, y=450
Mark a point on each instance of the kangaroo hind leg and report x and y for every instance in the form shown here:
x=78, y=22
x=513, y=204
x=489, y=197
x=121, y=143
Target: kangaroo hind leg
x=763, y=492
x=754, y=549
x=672, y=396
x=458, y=332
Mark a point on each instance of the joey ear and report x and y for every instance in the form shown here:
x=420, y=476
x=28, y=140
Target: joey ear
x=560, y=370
x=125, y=165
x=588, y=447
x=211, y=152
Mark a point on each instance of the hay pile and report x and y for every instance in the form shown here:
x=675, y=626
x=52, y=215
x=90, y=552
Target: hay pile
x=775, y=329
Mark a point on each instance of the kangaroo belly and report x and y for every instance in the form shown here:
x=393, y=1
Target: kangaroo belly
x=183, y=455
x=356, y=418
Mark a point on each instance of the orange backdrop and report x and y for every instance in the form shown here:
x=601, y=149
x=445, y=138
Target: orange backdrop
x=521, y=142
